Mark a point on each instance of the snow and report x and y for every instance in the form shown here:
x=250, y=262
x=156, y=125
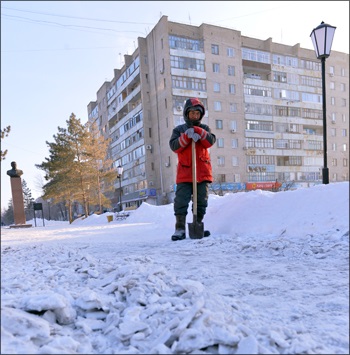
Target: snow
x=273, y=278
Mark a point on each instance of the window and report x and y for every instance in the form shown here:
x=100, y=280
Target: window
x=216, y=87
x=331, y=70
x=332, y=85
x=259, y=125
x=313, y=145
x=334, y=162
x=217, y=106
x=259, y=143
x=256, y=56
x=258, y=91
x=289, y=161
x=221, y=160
x=188, y=83
x=234, y=143
x=231, y=70
x=344, y=132
x=342, y=87
x=216, y=68
x=236, y=178
x=343, y=102
x=332, y=101
x=230, y=52
x=235, y=161
x=232, y=88
x=281, y=77
x=218, y=124
x=214, y=49
x=333, y=132
x=186, y=43
x=234, y=126
x=311, y=65
x=334, y=116
x=220, y=142
x=233, y=107
x=187, y=63
x=221, y=178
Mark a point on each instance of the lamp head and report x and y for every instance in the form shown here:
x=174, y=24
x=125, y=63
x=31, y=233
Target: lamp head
x=322, y=38
x=120, y=170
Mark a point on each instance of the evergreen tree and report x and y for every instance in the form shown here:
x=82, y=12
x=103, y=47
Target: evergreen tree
x=28, y=200
x=60, y=168
x=77, y=166
x=7, y=216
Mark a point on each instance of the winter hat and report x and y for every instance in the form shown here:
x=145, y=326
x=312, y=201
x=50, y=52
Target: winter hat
x=196, y=108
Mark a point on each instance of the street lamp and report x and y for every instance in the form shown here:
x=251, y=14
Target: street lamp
x=120, y=172
x=48, y=203
x=322, y=38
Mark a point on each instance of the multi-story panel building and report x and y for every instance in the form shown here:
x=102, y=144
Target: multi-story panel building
x=263, y=102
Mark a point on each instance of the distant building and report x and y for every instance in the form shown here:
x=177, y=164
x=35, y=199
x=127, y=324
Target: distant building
x=263, y=102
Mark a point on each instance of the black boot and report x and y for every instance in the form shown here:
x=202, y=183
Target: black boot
x=180, y=228
x=200, y=220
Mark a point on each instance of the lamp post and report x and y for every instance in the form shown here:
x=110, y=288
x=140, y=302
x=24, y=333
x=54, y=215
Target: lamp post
x=120, y=172
x=322, y=38
x=48, y=204
x=88, y=199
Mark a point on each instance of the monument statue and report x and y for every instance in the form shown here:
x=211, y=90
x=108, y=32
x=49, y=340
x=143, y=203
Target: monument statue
x=17, y=197
x=14, y=172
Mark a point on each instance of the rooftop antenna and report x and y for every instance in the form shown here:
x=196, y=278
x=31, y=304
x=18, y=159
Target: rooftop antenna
x=189, y=17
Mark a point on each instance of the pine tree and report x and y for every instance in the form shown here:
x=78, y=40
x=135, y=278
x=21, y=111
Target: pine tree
x=61, y=167
x=78, y=166
x=7, y=216
x=28, y=200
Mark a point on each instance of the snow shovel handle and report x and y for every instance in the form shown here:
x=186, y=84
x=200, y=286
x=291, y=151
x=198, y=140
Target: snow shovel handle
x=194, y=179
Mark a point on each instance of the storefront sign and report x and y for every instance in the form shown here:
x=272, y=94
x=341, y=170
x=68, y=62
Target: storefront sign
x=263, y=185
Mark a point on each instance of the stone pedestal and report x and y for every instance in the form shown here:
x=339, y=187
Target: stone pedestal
x=18, y=204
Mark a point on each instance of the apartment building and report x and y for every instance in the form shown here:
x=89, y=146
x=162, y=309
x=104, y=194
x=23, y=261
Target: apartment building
x=263, y=102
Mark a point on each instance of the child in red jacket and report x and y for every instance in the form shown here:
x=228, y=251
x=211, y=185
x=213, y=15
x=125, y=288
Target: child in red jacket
x=180, y=143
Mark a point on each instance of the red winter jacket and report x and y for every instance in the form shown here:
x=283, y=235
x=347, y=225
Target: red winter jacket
x=181, y=145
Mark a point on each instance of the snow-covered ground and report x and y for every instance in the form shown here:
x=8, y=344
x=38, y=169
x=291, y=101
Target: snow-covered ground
x=273, y=278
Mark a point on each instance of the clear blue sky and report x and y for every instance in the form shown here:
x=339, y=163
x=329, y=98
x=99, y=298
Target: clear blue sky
x=55, y=55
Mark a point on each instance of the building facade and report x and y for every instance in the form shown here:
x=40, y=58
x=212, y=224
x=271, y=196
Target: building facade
x=263, y=102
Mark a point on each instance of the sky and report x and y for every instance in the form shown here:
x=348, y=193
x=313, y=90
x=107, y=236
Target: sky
x=272, y=278
x=55, y=56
